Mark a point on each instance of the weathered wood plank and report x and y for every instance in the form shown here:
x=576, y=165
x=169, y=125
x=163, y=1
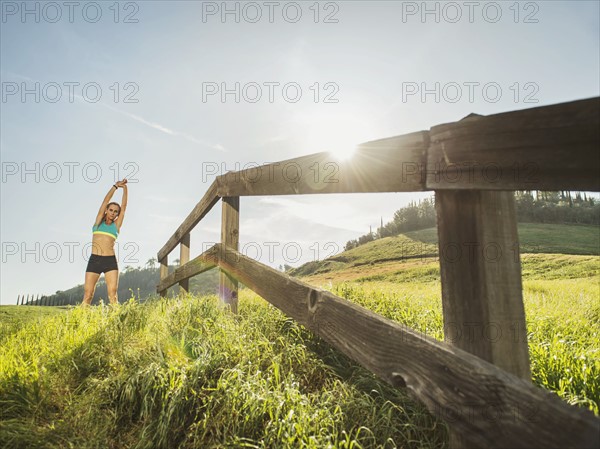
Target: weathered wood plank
x=546, y=148
x=184, y=257
x=164, y=272
x=230, y=236
x=551, y=147
x=481, y=280
x=204, y=206
x=495, y=408
x=200, y=264
x=386, y=165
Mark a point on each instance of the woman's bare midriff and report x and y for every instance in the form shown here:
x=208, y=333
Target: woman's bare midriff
x=103, y=245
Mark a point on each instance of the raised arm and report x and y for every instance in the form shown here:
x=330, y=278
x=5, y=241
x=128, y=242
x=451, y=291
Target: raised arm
x=105, y=202
x=123, y=185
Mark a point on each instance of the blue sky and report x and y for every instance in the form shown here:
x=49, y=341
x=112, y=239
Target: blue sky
x=165, y=55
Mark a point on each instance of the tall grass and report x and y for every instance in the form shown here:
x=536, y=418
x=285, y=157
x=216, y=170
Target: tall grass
x=562, y=316
x=181, y=373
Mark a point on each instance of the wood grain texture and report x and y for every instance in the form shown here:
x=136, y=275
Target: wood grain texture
x=546, y=148
x=495, y=408
x=204, y=206
x=386, y=165
x=200, y=264
x=230, y=237
x=184, y=257
x=164, y=272
x=551, y=147
x=481, y=280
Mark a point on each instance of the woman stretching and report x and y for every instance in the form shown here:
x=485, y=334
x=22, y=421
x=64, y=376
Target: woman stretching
x=102, y=260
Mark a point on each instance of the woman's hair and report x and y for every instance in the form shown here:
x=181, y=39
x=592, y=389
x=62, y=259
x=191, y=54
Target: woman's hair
x=107, y=206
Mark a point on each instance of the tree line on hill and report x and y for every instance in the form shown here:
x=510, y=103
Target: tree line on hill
x=136, y=282
x=532, y=207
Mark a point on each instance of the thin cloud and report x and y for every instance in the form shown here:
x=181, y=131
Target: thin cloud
x=164, y=129
x=137, y=118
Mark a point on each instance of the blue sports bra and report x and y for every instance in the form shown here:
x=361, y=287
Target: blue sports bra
x=105, y=229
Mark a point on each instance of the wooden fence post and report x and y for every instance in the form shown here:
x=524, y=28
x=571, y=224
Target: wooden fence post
x=164, y=271
x=481, y=280
x=230, y=236
x=184, y=257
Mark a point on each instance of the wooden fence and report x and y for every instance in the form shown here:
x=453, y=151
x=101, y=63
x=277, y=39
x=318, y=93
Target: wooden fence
x=480, y=385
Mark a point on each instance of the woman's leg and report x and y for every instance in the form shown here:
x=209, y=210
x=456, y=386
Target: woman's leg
x=88, y=288
x=112, y=284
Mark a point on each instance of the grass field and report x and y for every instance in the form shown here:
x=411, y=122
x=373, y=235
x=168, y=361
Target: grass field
x=180, y=373
x=541, y=238
x=533, y=238
x=12, y=318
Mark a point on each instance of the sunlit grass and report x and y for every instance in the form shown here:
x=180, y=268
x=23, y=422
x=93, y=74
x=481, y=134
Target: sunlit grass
x=181, y=373
x=562, y=315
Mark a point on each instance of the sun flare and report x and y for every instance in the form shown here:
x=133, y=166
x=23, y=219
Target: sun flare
x=337, y=134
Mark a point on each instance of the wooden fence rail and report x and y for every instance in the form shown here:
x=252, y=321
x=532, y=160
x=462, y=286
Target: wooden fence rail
x=478, y=384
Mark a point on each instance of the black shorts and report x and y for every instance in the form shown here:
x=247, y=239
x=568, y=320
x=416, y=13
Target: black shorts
x=102, y=264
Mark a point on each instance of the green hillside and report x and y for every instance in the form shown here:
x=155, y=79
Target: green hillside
x=541, y=238
x=180, y=373
x=138, y=282
x=381, y=250
x=13, y=318
x=533, y=238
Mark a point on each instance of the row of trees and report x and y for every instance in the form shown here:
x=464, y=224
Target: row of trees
x=140, y=283
x=532, y=207
x=413, y=217
x=557, y=207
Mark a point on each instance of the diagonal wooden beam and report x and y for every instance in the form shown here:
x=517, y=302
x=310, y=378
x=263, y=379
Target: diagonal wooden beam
x=497, y=409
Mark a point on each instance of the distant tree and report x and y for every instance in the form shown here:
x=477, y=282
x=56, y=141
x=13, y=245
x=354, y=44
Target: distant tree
x=532, y=207
x=351, y=244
